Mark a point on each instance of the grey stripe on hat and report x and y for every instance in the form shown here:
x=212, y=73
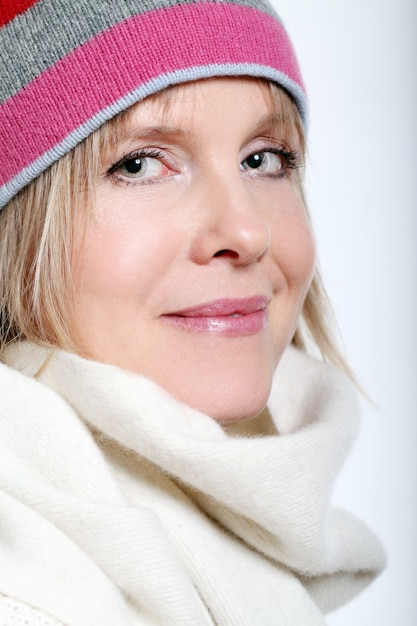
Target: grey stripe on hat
x=27, y=47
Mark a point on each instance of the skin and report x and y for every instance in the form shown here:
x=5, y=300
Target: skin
x=199, y=223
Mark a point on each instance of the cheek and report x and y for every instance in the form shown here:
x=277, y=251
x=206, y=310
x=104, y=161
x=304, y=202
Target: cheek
x=294, y=258
x=293, y=247
x=122, y=258
x=300, y=258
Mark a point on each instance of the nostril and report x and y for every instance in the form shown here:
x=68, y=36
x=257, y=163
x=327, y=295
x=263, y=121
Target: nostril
x=230, y=253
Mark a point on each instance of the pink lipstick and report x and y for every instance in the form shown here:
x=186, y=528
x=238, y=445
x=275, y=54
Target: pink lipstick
x=226, y=316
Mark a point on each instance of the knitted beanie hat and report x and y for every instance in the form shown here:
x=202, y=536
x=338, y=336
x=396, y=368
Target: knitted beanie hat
x=68, y=66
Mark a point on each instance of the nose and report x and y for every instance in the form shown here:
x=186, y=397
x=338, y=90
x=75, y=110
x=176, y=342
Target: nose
x=229, y=223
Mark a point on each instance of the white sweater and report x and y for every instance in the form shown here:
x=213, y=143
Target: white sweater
x=120, y=506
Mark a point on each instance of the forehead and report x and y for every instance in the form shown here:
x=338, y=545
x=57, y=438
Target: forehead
x=184, y=102
x=187, y=108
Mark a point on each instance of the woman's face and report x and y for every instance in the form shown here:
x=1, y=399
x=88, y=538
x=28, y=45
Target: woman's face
x=195, y=264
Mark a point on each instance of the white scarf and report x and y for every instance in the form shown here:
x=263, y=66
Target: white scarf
x=120, y=506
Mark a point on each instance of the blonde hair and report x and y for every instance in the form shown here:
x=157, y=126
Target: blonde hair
x=36, y=241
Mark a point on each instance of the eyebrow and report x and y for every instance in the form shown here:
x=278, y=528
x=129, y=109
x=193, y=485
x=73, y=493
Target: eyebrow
x=266, y=122
x=131, y=131
x=150, y=132
x=271, y=120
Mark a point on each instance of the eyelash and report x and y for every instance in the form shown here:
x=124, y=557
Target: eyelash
x=291, y=160
x=139, y=154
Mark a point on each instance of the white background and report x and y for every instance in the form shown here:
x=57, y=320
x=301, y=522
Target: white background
x=358, y=59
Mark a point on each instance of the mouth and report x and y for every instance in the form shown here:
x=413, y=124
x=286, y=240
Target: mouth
x=226, y=316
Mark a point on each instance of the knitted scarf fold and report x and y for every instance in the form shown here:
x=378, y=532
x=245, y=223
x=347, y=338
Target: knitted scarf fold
x=122, y=506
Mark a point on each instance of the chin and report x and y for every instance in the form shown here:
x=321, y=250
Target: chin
x=229, y=387
x=227, y=419
x=231, y=406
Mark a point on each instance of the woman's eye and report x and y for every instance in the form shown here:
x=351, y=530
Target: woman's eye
x=143, y=167
x=265, y=162
x=140, y=166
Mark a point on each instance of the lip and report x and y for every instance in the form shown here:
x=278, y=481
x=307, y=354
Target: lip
x=226, y=316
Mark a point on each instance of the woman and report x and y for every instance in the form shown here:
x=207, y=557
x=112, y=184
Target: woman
x=167, y=445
